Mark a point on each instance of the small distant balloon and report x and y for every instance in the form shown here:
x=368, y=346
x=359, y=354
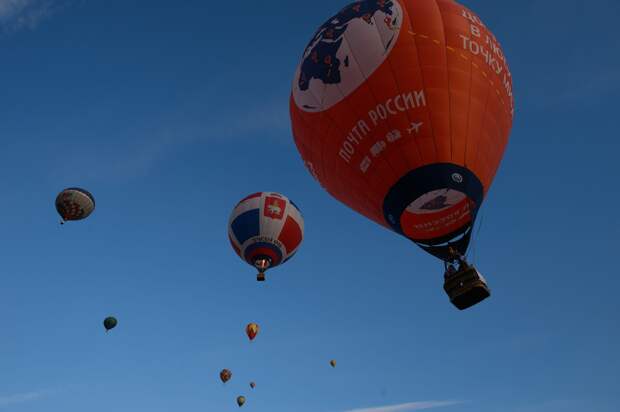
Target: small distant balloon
x=333, y=363
x=109, y=323
x=225, y=375
x=252, y=385
x=240, y=400
x=74, y=203
x=252, y=330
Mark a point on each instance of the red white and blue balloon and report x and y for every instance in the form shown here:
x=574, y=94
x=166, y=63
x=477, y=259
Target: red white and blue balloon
x=265, y=229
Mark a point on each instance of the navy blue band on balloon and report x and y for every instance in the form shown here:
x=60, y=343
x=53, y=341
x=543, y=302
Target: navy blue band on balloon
x=426, y=179
x=276, y=258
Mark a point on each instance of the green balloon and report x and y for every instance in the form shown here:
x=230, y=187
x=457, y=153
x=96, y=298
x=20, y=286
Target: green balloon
x=109, y=323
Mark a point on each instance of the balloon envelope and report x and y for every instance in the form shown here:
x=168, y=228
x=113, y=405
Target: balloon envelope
x=109, y=323
x=74, y=203
x=265, y=225
x=240, y=400
x=401, y=109
x=252, y=330
x=225, y=375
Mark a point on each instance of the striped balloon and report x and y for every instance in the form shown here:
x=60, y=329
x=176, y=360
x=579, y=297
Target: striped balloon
x=265, y=229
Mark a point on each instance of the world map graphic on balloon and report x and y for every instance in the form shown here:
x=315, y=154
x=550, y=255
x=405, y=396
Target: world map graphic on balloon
x=345, y=51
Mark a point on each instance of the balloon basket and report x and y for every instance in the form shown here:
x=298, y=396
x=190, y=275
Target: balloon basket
x=466, y=288
x=260, y=277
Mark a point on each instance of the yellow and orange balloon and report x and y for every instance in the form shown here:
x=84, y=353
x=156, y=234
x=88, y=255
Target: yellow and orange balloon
x=252, y=330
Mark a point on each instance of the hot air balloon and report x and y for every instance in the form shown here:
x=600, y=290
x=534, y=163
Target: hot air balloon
x=225, y=375
x=252, y=330
x=240, y=400
x=109, y=323
x=401, y=110
x=333, y=363
x=252, y=385
x=74, y=204
x=265, y=229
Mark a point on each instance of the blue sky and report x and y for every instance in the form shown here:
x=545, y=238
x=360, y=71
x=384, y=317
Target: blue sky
x=171, y=113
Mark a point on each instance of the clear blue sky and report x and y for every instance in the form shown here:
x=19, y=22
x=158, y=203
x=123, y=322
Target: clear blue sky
x=170, y=112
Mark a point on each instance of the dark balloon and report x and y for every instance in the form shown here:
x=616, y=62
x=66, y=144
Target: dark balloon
x=109, y=323
x=240, y=400
x=252, y=385
x=74, y=204
x=225, y=375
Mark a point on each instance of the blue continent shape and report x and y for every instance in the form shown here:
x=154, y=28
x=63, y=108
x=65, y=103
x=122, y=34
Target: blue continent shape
x=321, y=61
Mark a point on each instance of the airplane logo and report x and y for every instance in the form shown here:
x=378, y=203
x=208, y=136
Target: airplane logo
x=415, y=127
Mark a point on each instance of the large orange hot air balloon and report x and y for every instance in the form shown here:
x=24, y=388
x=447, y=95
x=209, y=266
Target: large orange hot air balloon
x=252, y=330
x=401, y=109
